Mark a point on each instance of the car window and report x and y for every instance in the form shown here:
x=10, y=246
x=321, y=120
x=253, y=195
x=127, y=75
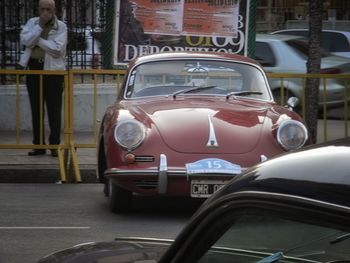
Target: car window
x=216, y=77
x=257, y=233
x=330, y=41
x=335, y=42
x=264, y=54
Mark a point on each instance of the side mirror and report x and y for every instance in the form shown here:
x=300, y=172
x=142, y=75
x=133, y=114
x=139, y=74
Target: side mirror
x=292, y=102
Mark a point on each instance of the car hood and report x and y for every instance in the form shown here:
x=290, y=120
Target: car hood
x=204, y=126
x=126, y=250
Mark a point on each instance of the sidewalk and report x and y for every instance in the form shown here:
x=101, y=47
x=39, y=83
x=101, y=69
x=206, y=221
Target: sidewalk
x=17, y=167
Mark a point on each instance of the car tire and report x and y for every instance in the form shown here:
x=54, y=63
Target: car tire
x=101, y=162
x=102, y=167
x=120, y=200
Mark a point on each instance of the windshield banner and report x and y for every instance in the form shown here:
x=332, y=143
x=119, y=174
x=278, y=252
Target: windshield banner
x=153, y=26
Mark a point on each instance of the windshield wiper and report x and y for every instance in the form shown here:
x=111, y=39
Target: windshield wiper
x=340, y=238
x=271, y=259
x=279, y=255
x=194, y=88
x=242, y=93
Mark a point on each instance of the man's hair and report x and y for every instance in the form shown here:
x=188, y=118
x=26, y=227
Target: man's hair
x=51, y=2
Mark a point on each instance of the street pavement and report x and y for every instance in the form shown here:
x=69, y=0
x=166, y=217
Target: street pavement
x=17, y=167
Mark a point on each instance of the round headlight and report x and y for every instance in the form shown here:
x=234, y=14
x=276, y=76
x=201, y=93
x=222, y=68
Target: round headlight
x=129, y=134
x=291, y=135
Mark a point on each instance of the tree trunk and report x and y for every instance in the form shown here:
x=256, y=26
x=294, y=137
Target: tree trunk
x=313, y=66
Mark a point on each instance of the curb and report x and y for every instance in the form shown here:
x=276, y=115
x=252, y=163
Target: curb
x=11, y=174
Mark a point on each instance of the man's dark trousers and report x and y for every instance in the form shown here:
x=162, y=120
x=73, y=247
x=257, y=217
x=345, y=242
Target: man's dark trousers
x=52, y=98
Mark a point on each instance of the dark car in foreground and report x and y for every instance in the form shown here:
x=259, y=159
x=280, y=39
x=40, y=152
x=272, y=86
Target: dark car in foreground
x=291, y=208
x=185, y=123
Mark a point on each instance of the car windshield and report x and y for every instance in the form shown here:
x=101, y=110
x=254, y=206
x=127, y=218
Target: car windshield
x=196, y=77
x=266, y=238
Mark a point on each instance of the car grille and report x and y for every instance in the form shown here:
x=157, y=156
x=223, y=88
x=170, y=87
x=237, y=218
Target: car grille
x=147, y=184
x=144, y=159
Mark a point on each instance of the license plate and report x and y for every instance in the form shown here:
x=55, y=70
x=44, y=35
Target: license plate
x=205, y=188
x=213, y=166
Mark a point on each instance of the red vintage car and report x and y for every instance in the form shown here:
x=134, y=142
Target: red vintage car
x=185, y=123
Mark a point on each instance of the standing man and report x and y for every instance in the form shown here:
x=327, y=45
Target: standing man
x=45, y=41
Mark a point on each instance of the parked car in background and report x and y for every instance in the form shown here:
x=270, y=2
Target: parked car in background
x=186, y=123
x=288, y=54
x=333, y=41
x=10, y=49
x=84, y=49
x=292, y=208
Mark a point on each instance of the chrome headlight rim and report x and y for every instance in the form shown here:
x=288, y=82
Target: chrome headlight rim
x=141, y=132
x=281, y=128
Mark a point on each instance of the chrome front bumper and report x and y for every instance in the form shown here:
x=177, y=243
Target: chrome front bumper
x=162, y=173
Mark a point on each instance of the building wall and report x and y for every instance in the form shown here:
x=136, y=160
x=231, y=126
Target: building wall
x=280, y=14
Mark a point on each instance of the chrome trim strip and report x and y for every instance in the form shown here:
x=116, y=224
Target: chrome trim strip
x=263, y=158
x=155, y=173
x=298, y=197
x=145, y=239
x=163, y=174
x=212, y=142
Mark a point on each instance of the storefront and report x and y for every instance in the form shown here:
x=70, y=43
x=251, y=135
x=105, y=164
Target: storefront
x=280, y=14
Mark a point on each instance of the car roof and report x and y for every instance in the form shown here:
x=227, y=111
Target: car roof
x=193, y=55
x=319, y=172
x=304, y=29
x=344, y=33
x=277, y=37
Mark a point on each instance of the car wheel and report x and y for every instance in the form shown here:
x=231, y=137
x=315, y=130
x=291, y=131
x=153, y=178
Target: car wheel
x=102, y=167
x=120, y=200
x=101, y=162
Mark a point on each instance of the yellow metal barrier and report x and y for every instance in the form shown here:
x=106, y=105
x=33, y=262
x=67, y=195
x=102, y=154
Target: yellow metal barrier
x=67, y=156
x=344, y=79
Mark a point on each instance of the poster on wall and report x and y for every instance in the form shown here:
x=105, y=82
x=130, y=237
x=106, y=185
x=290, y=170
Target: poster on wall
x=210, y=18
x=159, y=17
x=153, y=26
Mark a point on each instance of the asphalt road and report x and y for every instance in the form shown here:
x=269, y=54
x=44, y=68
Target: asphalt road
x=37, y=219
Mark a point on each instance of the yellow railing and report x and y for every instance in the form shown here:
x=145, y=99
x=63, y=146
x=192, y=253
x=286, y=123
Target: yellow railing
x=68, y=161
x=342, y=79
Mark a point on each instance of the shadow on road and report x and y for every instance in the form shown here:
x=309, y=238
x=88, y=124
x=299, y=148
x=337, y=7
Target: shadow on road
x=166, y=206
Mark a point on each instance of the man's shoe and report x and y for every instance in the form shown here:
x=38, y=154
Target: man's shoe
x=54, y=152
x=37, y=152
